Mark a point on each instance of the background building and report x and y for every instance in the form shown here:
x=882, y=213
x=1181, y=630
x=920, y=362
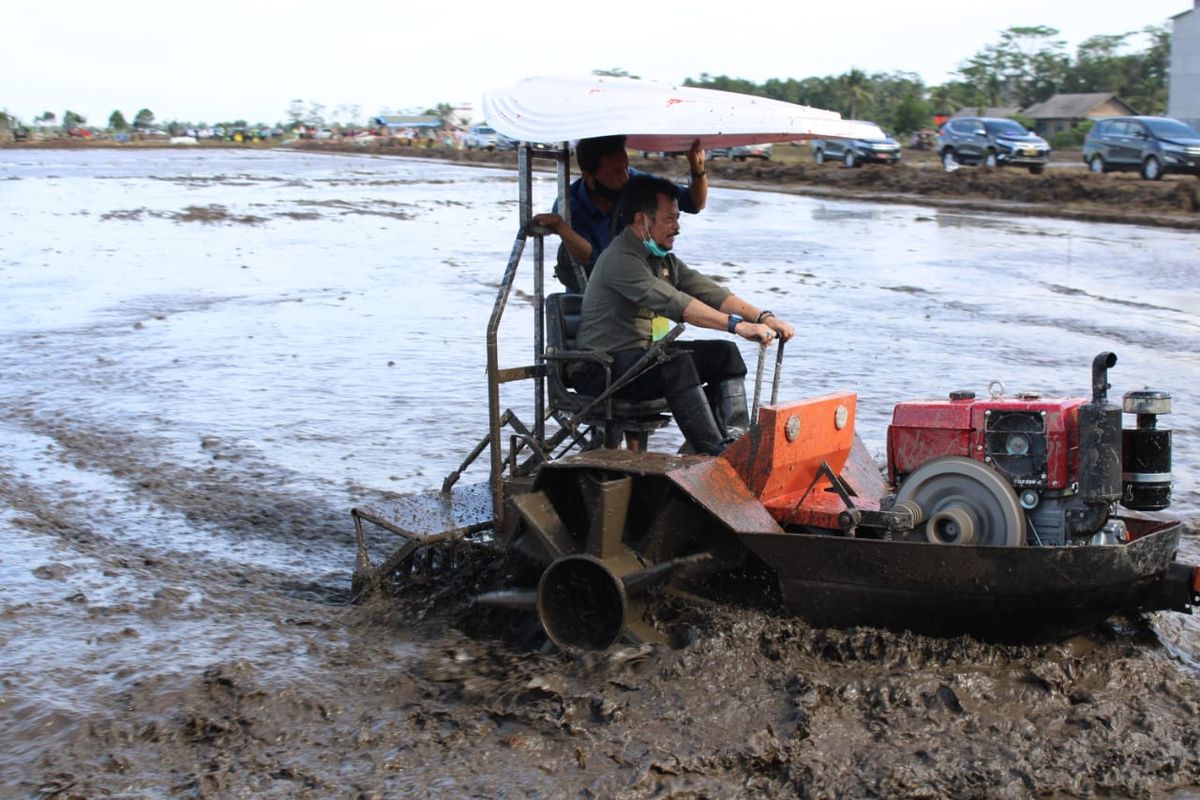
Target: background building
x=1064, y=111
x=1183, y=98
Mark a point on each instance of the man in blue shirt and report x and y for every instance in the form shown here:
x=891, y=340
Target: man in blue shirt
x=604, y=168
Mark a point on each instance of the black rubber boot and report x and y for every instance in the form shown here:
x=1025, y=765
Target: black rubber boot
x=695, y=420
x=728, y=401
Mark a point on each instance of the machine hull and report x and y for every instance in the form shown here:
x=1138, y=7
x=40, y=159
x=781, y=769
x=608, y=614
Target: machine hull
x=997, y=593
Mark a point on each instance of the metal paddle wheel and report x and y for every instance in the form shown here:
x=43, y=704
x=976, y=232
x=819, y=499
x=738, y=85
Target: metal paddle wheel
x=605, y=528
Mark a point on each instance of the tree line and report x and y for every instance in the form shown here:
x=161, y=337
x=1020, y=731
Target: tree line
x=143, y=120
x=1027, y=65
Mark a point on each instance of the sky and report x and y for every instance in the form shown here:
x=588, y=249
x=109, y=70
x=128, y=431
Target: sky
x=218, y=60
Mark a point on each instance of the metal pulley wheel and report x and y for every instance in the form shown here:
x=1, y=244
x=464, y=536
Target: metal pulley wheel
x=964, y=502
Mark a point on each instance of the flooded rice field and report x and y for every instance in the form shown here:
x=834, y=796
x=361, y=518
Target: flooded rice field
x=207, y=358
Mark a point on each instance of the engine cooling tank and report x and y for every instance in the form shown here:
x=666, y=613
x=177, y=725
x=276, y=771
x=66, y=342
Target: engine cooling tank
x=1146, y=453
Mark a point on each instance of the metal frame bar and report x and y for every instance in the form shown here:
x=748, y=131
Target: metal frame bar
x=368, y=576
x=526, y=154
x=493, y=370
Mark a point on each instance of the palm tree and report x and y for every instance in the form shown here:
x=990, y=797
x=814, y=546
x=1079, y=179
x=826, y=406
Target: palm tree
x=855, y=88
x=943, y=99
x=444, y=112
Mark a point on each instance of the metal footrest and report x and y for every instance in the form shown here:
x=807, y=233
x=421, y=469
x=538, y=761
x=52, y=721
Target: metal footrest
x=430, y=525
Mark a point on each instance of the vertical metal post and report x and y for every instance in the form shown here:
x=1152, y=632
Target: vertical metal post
x=563, y=170
x=524, y=186
x=564, y=182
x=525, y=158
x=539, y=340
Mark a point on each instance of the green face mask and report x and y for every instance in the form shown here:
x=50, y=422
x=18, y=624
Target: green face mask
x=655, y=249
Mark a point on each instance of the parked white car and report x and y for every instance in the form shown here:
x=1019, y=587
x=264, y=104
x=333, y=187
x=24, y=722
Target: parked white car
x=480, y=137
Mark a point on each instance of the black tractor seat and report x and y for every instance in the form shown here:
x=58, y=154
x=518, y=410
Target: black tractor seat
x=614, y=416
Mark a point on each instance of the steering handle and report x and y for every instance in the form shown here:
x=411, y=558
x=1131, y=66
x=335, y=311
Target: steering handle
x=758, y=379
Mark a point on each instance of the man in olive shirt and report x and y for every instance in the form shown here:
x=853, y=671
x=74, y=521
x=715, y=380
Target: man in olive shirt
x=637, y=287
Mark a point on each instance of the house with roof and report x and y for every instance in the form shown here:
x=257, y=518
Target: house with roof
x=1183, y=94
x=1062, y=112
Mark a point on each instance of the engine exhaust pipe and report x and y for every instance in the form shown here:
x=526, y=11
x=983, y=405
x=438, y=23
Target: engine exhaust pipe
x=1101, y=364
x=1099, y=448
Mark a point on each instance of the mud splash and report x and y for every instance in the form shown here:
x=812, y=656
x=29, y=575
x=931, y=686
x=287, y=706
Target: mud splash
x=389, y=700
x=210, y=214
x=325, y=700
x=777, y=709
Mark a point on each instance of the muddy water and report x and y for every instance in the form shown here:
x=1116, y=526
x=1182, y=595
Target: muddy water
x=206, y=358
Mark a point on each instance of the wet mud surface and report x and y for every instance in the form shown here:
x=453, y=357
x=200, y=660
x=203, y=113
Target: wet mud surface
x=191, y=403
x=1070, y=193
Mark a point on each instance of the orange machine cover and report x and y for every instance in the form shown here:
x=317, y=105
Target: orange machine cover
x=779, y=458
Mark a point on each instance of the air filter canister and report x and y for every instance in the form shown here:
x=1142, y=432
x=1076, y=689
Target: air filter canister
x=1146, y=453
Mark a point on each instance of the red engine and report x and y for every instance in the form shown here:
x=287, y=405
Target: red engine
x=1061, y=463
x=1031, y=441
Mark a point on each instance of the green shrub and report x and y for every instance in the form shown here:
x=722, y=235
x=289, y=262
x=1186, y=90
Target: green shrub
x=1072, y=137
x=1026, y=122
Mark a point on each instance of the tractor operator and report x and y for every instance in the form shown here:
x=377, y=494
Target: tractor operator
x=604, y=168
x=637, y=285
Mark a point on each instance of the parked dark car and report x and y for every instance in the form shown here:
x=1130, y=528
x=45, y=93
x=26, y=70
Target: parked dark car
x=744, y=151
x=856, y=152
x=1154, y=146
x=508, y=143
x=717, y=152
x=991, y=142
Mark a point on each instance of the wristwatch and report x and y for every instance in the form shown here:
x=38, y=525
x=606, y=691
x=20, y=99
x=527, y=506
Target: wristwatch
x=734, y=319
